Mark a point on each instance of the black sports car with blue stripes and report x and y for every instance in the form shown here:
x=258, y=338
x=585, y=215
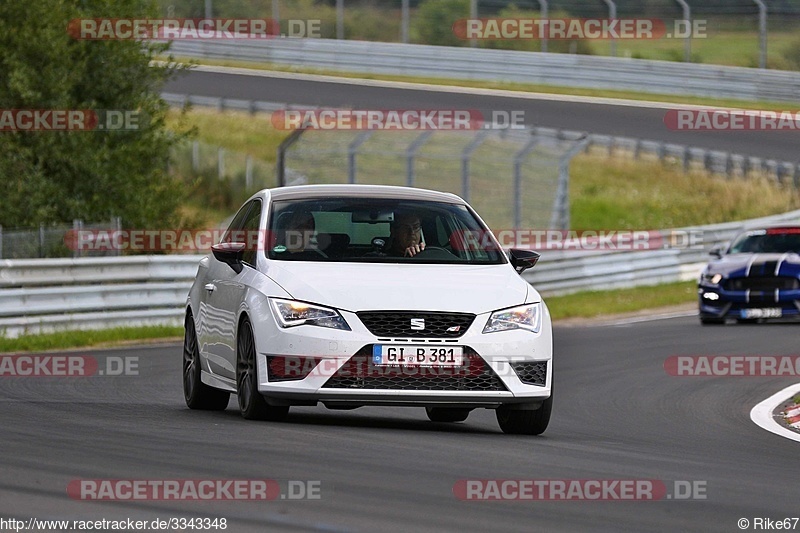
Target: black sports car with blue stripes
x=756, y=278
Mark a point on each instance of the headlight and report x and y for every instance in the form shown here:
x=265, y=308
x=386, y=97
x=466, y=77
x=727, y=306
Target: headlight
x=713, y=279
x=527, y=317
x=292, y=313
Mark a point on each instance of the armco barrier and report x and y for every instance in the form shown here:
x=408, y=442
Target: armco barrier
x=568, y=70
x=563, y=272
x=41, y=295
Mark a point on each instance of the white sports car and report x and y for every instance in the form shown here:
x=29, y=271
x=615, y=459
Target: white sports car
x=358, y=295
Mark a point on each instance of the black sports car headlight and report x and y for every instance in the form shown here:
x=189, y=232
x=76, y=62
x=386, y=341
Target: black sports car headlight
x=711, y=279
x=292, y=313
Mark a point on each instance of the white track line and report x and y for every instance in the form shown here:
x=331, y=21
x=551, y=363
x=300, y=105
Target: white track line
x=635, y=320
x=761, y=414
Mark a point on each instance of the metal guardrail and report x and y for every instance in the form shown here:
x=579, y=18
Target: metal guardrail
x=44, y=295
x=569, y=70
x=41, y=295
x=564, y=272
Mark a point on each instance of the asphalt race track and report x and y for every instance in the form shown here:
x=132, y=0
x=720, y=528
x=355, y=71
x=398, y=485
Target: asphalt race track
x=617, y=416
x=607, y=119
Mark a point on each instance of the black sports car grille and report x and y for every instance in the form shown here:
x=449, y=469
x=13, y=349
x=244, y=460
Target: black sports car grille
x=762, y=283
x=531, y=373
x=360, y=373
x=399, y=323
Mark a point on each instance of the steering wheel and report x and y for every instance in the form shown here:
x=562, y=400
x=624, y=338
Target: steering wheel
x=438, y=251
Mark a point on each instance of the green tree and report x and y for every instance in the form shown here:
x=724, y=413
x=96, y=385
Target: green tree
x=434, y=21
x=56, y=176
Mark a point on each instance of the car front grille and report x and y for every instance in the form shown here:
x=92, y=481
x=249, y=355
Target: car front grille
x=399, y=323
x=360, y=373
x=532, y=372
x=762, y=283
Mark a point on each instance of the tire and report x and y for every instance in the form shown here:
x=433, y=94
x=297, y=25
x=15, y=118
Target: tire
x=712, y=321
x=197, y=394
x=514, y=422
x=252, y=404
x=447, y=414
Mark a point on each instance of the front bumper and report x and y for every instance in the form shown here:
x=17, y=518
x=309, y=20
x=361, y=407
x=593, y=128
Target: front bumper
x=508, y=367
x=732, y=304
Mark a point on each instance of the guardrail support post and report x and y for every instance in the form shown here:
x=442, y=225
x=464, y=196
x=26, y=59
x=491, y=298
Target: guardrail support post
x=543, y=7
x=612, y=14
x=195, y=156
x=473, y=14
x=1, y=241
x=687, y=159
x=248, y=172
x=117, y=223
x=77, y=224
x=404, y=17
x=780, y=172
x=340, y=19
x=687, y=42
x=41, y=239
x=707, y=163
x=221, y=163
x=276, y=13
x=762, y=33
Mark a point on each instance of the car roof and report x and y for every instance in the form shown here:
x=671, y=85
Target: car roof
x=770, y=226
x=365, y=191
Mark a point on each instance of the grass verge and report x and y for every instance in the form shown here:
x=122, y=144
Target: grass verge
x=78, y=339
x=587, y=304
x=592, y=304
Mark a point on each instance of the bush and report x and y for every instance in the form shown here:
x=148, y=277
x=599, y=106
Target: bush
x=433, y=22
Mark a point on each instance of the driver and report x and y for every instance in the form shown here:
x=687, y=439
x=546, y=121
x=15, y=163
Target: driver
x=406, y=236
x=300, y=232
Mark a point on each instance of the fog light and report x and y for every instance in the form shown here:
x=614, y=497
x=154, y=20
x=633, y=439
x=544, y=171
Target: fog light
x=713, y=296
x=290, y=367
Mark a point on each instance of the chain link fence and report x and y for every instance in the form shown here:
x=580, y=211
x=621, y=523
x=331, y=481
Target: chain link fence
x=52, y=241
x=514, y=178
x=218, y=178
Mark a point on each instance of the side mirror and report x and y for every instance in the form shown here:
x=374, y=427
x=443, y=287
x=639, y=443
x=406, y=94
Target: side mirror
x=716, y=252
x=230, y=253
x=522, y=260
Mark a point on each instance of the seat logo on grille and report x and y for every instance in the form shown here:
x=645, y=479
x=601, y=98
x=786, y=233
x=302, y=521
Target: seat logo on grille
x=417, y=323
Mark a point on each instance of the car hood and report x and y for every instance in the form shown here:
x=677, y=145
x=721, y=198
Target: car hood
x=741, y=265
x=358, y=287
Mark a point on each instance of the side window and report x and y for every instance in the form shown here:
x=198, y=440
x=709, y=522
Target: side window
x=251, y=234
x=233, y=233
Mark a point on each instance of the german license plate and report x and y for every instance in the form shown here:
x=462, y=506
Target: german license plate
x=393, y=355
x=769, y=312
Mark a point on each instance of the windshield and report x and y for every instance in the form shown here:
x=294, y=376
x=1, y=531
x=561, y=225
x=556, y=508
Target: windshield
x=379, y=231
x=775, y=240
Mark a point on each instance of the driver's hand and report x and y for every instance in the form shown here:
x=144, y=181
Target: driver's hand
x=411, y=251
